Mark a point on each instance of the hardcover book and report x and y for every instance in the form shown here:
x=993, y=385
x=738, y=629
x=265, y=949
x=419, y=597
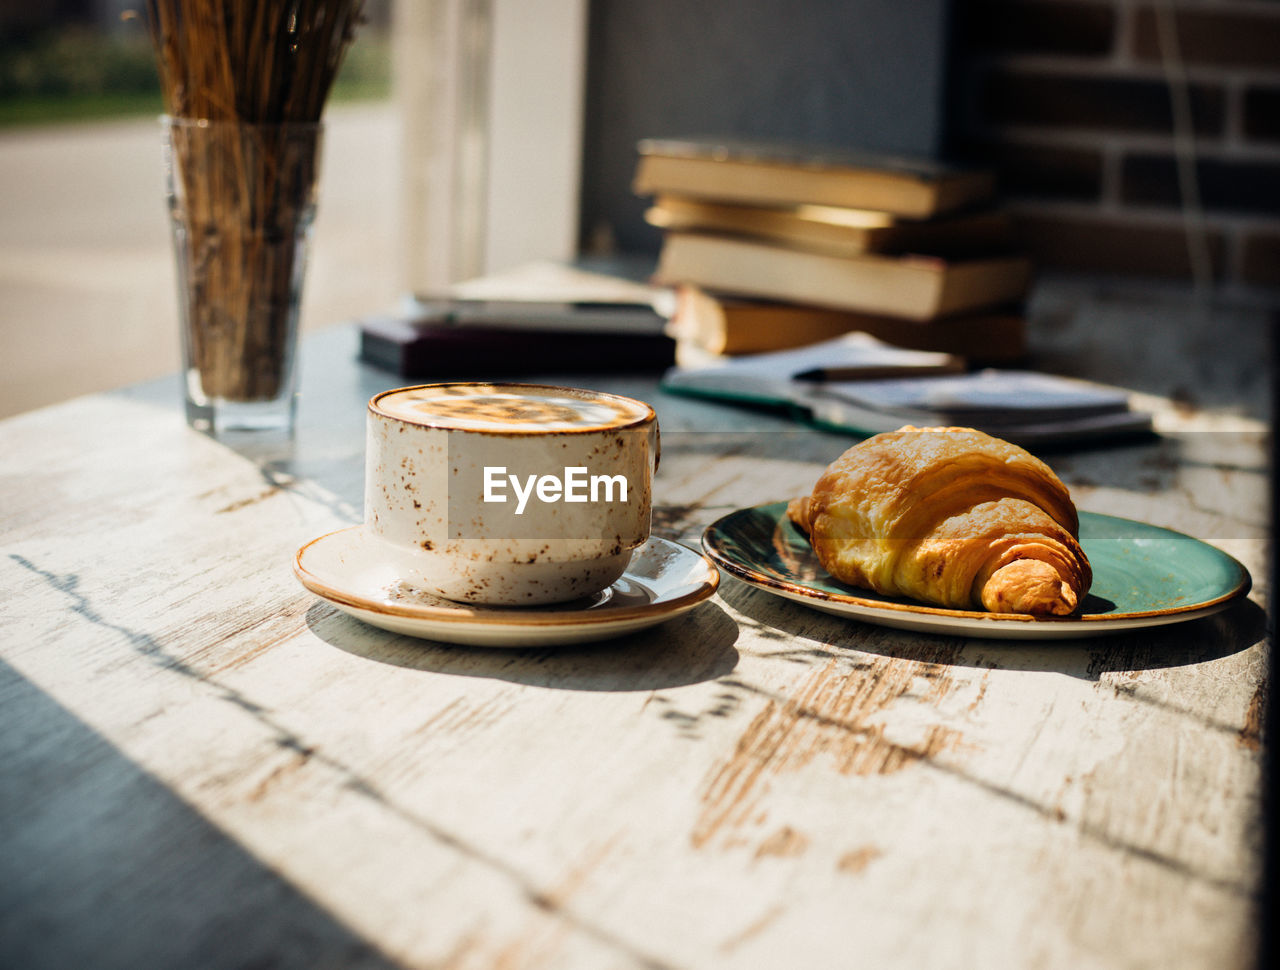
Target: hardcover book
x=774, y=174
x=914, y=287
x=719, y=324
x=837, y=231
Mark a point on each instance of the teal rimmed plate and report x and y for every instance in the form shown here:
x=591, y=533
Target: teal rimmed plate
x=1143, y=576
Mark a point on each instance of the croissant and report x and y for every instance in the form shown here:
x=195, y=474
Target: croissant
x=949, y=516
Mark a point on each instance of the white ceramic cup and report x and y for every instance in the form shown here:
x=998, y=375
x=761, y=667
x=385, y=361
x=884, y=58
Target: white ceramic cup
x=510, y=494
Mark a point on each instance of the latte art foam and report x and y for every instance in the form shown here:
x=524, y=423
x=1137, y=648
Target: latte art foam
x=485, y=407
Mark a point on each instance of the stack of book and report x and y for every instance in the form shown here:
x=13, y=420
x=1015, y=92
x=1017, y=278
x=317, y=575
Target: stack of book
x=539, y=318
x=770, y=247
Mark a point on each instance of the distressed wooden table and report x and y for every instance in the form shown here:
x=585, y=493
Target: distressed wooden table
x=202, y=764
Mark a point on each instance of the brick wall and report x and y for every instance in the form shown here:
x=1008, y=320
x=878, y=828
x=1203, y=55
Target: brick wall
x=1131, y=136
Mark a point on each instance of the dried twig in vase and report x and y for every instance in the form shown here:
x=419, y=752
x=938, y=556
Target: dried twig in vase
x=244, y=84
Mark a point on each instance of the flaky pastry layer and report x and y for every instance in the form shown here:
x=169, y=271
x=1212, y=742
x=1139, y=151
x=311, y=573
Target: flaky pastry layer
x=949, y=516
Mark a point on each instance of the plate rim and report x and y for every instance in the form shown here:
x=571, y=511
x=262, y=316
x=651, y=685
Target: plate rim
x=485, y=616
x=1243, y=583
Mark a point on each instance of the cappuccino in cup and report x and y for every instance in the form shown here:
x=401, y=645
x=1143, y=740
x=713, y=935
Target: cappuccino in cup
x=513, y=494
x=528, y=409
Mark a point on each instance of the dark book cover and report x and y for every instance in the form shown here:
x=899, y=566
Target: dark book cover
x=503, y=340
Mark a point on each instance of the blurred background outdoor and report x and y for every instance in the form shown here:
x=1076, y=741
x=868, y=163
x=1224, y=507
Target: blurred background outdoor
x=1137, y=143
x=87, y=288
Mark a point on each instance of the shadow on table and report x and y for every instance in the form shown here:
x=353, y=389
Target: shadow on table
x=102, y=865
x=688, y=649
x=1178, y=645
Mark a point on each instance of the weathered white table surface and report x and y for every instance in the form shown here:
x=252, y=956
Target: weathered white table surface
x=202, y=764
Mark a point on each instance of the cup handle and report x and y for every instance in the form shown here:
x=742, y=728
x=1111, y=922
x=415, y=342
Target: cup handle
x=656, y=438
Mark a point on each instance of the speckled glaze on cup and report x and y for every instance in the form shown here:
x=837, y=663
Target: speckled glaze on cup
x=424, y=460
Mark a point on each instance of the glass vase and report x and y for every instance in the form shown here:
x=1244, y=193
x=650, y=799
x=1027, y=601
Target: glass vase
x=241, y=204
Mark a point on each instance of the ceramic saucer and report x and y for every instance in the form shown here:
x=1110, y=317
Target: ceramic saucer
x=1143, y=576
x=372, y=581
